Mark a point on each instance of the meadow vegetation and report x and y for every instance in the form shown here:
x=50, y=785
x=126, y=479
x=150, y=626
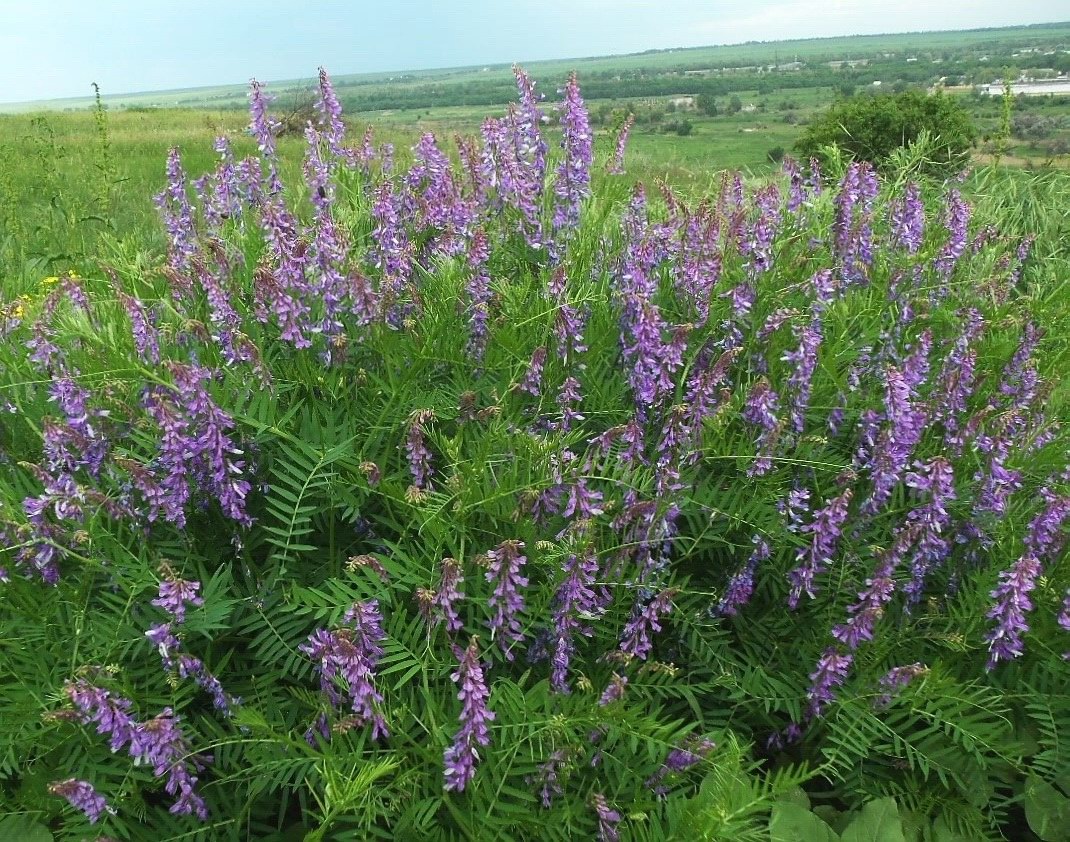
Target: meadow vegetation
x=381, y=484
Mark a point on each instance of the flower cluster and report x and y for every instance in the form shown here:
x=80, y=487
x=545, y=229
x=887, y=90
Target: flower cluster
x=351, y=652
x=462, y=754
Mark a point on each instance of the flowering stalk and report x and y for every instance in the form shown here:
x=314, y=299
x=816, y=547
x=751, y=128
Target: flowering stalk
x=573, y=182
x=351, y=652
x=82, y=796
x=462, y=755
x=506, y=602
x=616, y=163
x=1043, y=539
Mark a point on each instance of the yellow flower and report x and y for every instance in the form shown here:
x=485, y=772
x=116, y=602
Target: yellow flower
x=47, y=282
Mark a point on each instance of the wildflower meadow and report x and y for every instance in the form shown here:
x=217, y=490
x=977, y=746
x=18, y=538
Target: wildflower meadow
x=476, y=491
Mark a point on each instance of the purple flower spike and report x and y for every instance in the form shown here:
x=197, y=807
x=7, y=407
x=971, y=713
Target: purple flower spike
x=896, y=679
x=608, y=819
x=532, y=382
x=737, y=592
x=574, y=603
x=908, y=219
x=506, y=602
x=573, y=182
x=449, y=593
x=645, y=619
x=176, y=594
x=418, y=452
x=614, y=691
x=462, y=755
x=616, y=164
x=825, y=529
x=680, y=759
x=330, y=111
x=82, y=796
x=1043, y=539
x=831, y=672
x=352, y=652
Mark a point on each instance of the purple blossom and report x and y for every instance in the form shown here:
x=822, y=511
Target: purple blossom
x=853, y=228
x=176, y=594
x=575, y=603
x=896, y=442
x=330, y=111
x=462, y=755
x=263, y=128
x=416, y=449
x=449, y=594
x=614, y=691
x=146, y=337
x=804, y=360
x=931, y=520
x=825, y=530
x=110, y=713
x=908, y=219
x=479, y=294
x=582, y=502
x=393, y=252
x=830, y=673
x=532, y=382
x=653, y=360
x=896, y=679
x=740, y=586
x=549, y=777
x=177, y=212
x=569, y=399
x=616, y=163
x=758, y=244
x=573, y=182
x=608, y=819
x=680, y=759
x=195, y=445
x=1044, y=538
x=351, y=652
x=157, y=742
x=82, y=796
x=760, y=409
x=506, y=602
x=956, y=219
x=646, y=618
x=796, y=184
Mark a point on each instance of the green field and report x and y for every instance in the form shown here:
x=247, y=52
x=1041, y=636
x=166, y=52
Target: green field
x=62, y=192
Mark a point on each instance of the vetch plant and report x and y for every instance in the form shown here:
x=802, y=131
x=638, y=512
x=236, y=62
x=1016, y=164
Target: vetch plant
x=410, y=498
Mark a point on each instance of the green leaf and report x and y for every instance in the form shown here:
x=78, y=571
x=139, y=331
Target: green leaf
x=24, y=829
x=1047, y=810
x=877, y=822
x=793, y=823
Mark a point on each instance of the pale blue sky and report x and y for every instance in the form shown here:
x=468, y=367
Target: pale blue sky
x=54, y=48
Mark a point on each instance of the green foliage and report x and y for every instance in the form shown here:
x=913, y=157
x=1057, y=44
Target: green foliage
x=870, y=128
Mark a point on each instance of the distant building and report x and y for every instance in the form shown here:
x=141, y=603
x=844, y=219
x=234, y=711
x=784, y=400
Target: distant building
x=683, y=102
x=849, y=62
x=1038, y=87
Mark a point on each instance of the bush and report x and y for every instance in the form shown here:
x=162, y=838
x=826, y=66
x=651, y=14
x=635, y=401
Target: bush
x=775, y=155
x=869, y=128
x=448, y=504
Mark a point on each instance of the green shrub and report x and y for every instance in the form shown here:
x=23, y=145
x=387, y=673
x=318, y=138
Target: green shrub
x=869, y=128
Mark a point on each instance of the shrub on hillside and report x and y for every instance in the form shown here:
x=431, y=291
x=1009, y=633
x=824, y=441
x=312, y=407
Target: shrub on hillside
x=869, y=128
x=467, y=501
